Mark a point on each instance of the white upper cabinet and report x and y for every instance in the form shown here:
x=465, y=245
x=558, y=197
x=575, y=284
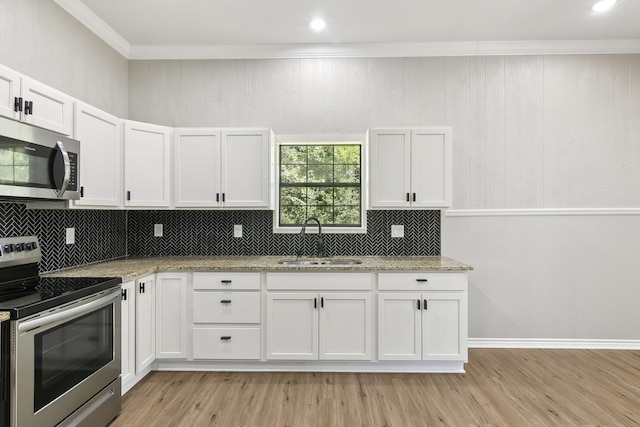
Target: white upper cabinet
x=196, y=157
x=147, y=173
x=25, y=99
x=9, y=91
x=100, y=136
x=410, y=168
x=222, y=168
x=245, y=168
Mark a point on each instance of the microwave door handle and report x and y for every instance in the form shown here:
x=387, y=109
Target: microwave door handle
x=67, y=168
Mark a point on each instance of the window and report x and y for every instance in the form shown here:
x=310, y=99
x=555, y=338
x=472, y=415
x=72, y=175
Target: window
x=323, y=180
x=14, y=166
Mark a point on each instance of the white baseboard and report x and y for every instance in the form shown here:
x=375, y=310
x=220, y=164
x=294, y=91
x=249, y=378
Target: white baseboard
x=554, y=343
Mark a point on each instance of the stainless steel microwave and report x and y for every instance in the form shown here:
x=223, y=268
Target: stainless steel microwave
x=36, y=163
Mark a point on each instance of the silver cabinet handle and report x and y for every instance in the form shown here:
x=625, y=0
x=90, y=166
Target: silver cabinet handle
x=67, y=168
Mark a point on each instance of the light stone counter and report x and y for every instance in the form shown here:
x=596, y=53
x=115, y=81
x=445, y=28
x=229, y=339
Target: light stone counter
x=4, y=315
x=133, y=268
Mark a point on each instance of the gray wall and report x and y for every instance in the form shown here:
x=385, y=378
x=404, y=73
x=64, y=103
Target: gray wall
x=39, y=39
x=529, y=133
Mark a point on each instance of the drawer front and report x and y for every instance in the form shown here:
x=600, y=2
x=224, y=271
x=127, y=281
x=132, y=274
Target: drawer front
x=226, y=307
x=226, y=281
x=226, y=343
x=321, y=281
x=422, y=281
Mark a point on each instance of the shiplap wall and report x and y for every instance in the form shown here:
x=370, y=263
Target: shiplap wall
x=529, y=131
x=42, y=41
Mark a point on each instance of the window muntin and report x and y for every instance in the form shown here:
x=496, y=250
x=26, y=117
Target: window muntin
x=322, y=180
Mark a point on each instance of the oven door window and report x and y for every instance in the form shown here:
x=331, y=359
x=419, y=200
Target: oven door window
x=69, y=353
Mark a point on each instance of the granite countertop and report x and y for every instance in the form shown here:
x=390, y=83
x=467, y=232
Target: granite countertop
x=4, y=315
x=132, y=268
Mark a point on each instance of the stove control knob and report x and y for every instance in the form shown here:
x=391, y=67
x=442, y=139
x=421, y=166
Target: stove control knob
x=19, y=247
x=7, y=248
x=29, y=246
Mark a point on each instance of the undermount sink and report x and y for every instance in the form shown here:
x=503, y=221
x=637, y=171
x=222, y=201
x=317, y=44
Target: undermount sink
x=319, y=262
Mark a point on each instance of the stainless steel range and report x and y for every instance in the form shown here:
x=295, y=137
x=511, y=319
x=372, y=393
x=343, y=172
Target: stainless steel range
x=60, y=350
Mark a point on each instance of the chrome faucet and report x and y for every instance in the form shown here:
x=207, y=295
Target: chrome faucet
x=319, y=242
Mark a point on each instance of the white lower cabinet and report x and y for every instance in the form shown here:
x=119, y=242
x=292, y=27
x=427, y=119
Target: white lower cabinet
x=226, y=313
x=325, y=326
x=171, y=316
x=145, y=322
x=128, y=332
x=429, y=325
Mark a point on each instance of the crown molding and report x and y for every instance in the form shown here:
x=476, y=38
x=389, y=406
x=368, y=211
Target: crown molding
x=87, y=17
x=93, y=22
x=382, y=50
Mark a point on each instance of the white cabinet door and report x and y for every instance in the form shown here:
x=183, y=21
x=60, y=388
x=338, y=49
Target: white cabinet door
x=399, y=326
x=226, y=343
x=49, y=108
x=100, y=136
x=245, y=168
x=431, y=167
x=9, y=92
x=171, y=316
x=128, y=331
x=389, y=167
x=292, y=326
x=147, y=168
x=196, y=159
x=444, y=326
x=145, y=323
x=345, y=326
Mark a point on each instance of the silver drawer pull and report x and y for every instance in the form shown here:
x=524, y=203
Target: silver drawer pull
x=422, y=280
x=225, y=338
x=225, y=301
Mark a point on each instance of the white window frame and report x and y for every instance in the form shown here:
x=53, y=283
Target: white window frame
x=329, y=140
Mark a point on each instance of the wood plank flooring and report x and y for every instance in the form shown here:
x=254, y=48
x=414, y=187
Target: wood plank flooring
x=502, y=387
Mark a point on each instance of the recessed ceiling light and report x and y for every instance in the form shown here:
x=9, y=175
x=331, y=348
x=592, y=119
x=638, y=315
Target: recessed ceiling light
x=603, y=5
x=317, y=24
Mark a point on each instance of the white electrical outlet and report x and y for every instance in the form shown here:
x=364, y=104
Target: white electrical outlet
x=397, y=231
x=70, y=236
x=157, y=230
x=237, y=230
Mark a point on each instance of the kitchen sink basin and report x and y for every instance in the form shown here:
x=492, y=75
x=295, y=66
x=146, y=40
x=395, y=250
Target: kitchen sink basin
x=319, y=262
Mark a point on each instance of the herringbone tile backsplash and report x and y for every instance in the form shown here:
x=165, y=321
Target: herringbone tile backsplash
x=100, y=235
x=211, y=233
x=108, y=234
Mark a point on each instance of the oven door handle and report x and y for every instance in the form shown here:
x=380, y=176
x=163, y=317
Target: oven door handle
x=67, y=314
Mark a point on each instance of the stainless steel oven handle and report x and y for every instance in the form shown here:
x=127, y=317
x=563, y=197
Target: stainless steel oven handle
x=67, y=314
x=67, y=168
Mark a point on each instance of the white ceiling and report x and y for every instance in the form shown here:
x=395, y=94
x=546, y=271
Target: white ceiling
x=189, y=28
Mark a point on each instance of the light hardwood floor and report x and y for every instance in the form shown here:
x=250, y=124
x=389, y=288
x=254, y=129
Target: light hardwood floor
x=502, y=387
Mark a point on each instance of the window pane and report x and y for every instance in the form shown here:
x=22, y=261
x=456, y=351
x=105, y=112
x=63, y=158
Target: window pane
x=292, y=214
x=293, y=196
x=347, y=214
x=347, y=173
x=347, y=154
x=293, y=173
x=293, y=154
x=321, y=154
x=320, y=173
x=323, y=213
x=347, y=196
x=321, y=196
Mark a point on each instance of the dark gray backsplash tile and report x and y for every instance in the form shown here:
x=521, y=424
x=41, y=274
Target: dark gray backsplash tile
x=211, y=233
x=107, y=234
x=100, y=235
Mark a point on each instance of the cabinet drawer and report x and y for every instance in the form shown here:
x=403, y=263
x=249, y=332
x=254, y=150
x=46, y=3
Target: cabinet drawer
x=226, y=281
x=226, y=307
x=322, y=281
x=226, y=343
x=422, y=281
